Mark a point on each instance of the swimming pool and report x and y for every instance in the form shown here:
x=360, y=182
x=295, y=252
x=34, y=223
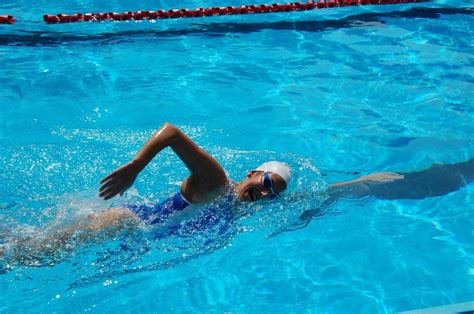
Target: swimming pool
x=344, y=90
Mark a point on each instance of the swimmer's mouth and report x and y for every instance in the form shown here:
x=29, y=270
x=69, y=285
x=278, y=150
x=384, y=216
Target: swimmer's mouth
x=249, y=196
x=252, y=196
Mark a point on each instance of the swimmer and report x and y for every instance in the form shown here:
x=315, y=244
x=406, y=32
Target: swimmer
x=207, y=182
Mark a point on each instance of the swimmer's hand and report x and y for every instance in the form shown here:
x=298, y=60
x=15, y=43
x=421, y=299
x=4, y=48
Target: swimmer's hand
x=380, y=178
x=120, y=180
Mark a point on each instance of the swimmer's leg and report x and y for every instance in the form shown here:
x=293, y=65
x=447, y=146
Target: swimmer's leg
x=112, y=221
x=95, y=228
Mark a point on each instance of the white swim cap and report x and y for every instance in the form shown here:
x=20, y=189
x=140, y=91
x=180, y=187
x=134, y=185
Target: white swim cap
x=280, y=168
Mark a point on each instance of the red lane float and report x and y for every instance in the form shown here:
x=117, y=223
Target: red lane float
x=7, y=19
x=212, y=11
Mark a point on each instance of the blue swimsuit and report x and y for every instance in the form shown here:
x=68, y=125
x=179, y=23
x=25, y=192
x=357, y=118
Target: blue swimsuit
x=158, y=213
x=219, y=213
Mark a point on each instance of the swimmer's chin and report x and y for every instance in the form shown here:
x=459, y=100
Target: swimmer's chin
x=247, y=196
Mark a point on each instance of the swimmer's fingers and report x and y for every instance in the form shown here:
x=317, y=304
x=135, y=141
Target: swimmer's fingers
x=107, y=184
x=118, y=181
x=392, y=176
x=111, y=190
x=109, y=194
x=382, y=177
x=109, y=177
x=108, y=197
x=388, y=177
x=114, y=174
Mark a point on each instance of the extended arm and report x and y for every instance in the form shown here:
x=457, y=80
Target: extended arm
x=437, y=180
x=374, y=178
x=206, y=173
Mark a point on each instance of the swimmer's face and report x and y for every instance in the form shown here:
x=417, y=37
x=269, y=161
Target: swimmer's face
x=256, y=187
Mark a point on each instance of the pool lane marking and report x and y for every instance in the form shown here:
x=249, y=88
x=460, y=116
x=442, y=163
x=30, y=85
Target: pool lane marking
x=213, y=11
x=7, y=19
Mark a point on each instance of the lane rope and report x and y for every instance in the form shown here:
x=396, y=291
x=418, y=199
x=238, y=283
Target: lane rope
x=7, y=19
x=213, y=11
x=204, y=12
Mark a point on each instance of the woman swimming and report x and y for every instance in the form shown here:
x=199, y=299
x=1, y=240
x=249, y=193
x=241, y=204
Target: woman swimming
x=207, y=182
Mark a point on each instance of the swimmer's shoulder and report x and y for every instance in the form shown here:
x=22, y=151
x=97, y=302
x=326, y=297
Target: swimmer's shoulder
x=198, y=197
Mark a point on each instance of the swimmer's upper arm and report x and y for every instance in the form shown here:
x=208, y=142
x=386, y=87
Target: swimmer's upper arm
x=205, y=170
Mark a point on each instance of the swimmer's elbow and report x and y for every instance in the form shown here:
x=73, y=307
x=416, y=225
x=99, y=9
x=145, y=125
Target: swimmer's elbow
x=168, y=133
x=172, y=132
x=168, y=127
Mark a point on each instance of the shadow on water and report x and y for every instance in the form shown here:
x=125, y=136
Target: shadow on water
x=30, y=38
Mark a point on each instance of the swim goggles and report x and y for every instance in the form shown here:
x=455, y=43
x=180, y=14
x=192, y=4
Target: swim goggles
x=268, y=184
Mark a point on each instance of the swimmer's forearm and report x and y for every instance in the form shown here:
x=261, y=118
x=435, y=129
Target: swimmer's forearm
x=346, y=183
x=374, y=178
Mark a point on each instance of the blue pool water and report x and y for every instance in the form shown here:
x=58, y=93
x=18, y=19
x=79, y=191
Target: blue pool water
x=385, y=88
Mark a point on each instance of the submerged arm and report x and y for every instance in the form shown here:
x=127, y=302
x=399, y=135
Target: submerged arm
x=206, y=173
x=374, y=178
x=437, y=180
